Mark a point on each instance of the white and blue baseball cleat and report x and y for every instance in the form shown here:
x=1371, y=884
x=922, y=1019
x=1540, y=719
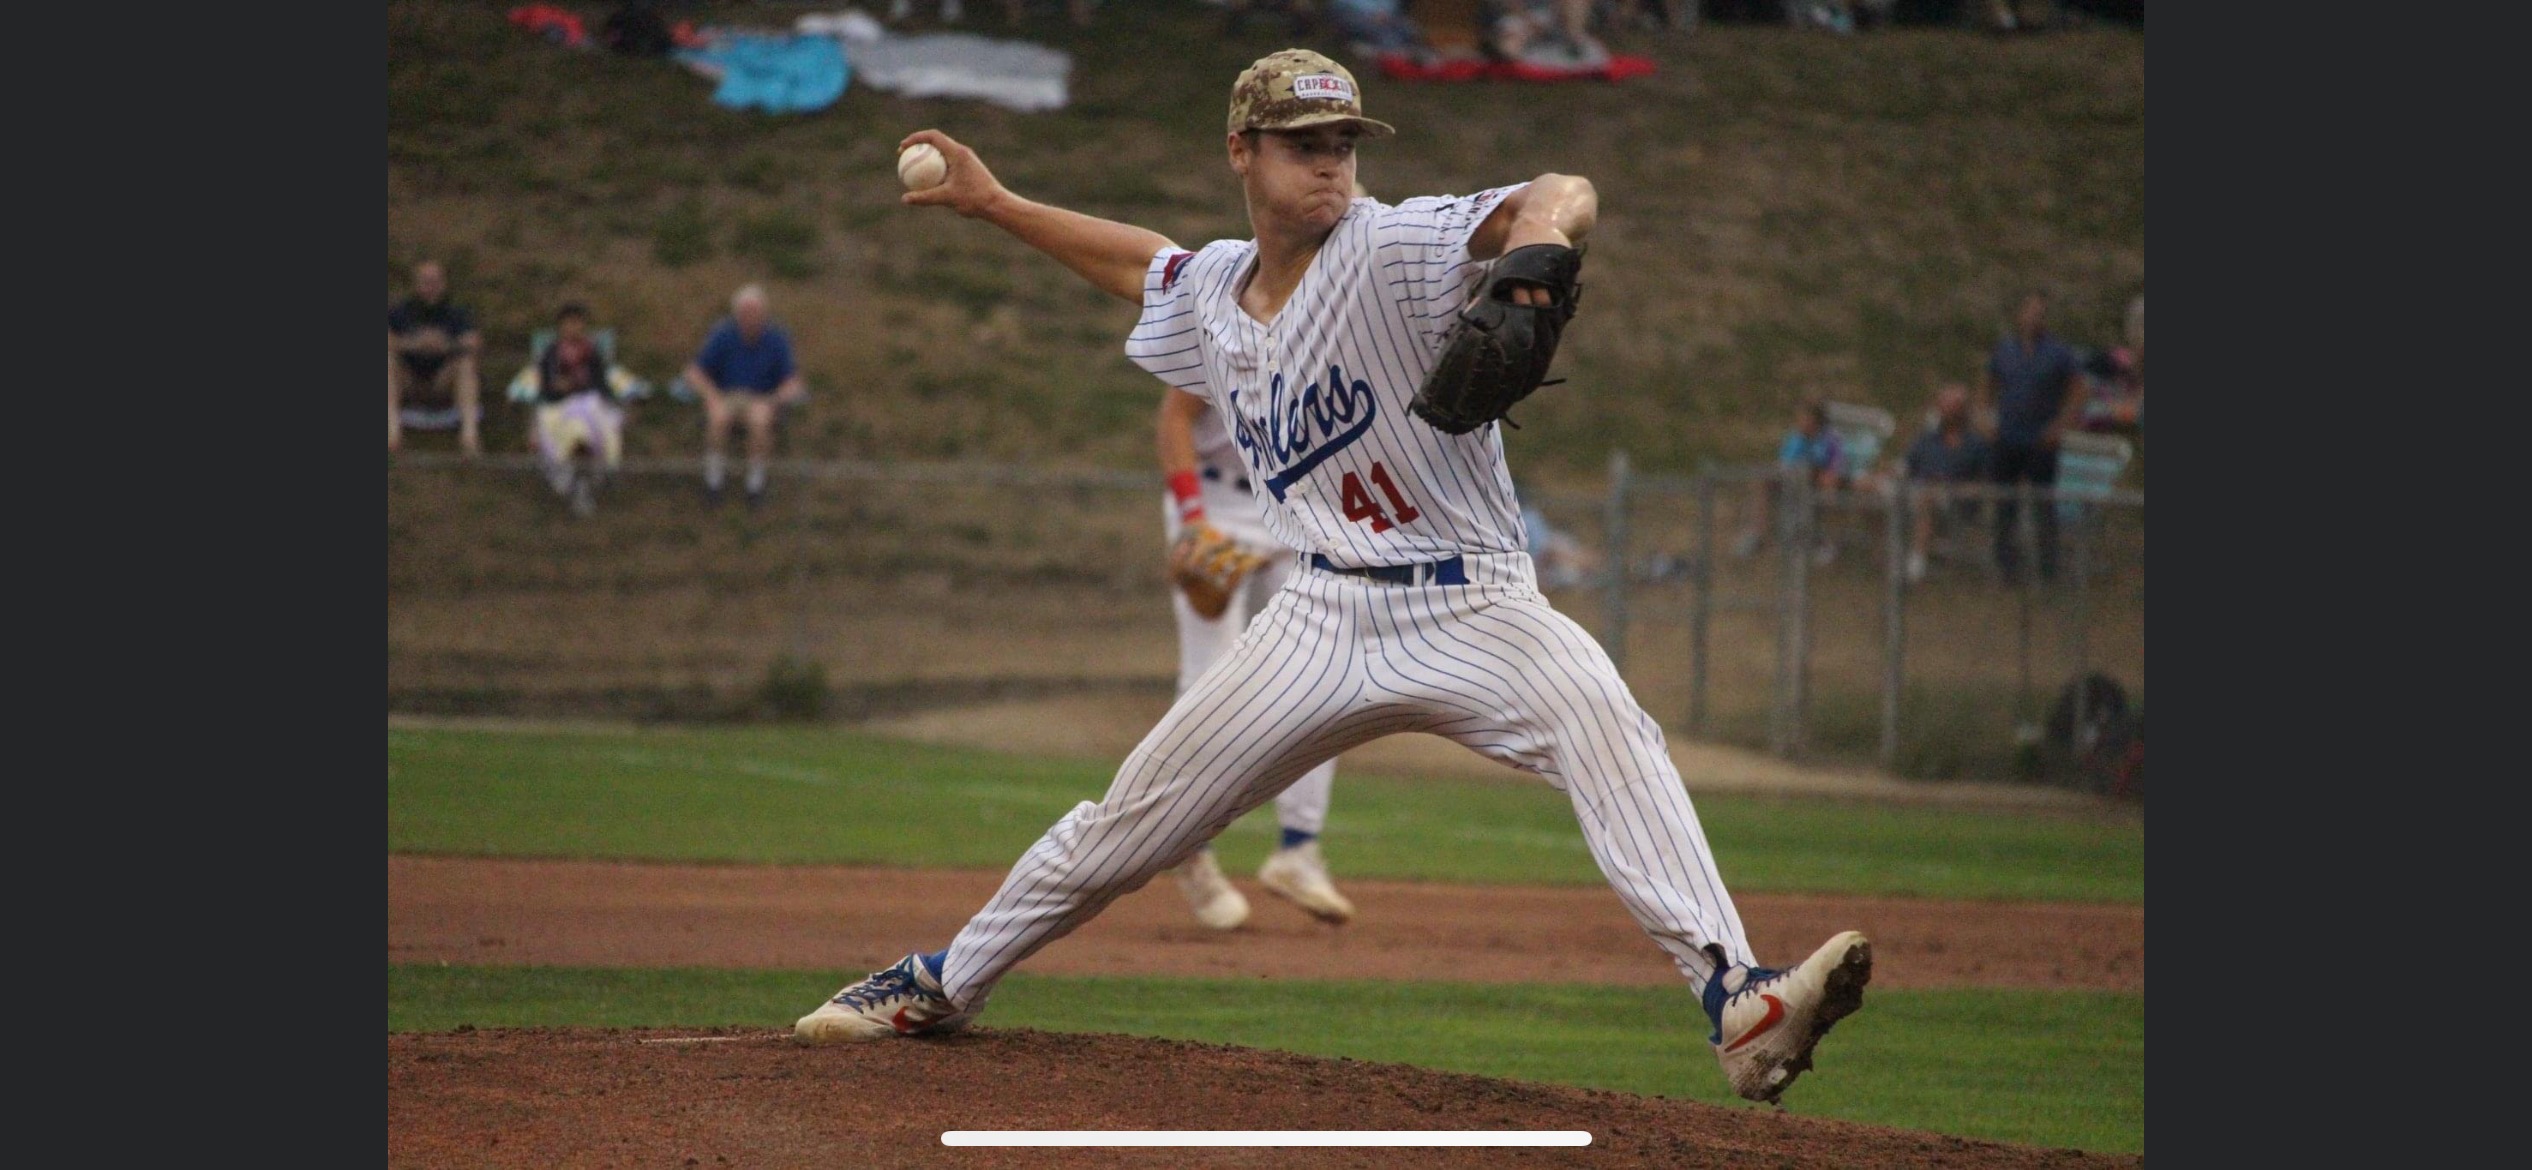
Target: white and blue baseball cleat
x=1210, y=896
x=1300, y=876
x=1766, y=1021
x=904, y=1000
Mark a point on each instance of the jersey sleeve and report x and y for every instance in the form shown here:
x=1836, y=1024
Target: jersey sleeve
x=1166, y=340
x=1421, y=251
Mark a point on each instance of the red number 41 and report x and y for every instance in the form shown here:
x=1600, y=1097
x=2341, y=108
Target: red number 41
x=1359, y=506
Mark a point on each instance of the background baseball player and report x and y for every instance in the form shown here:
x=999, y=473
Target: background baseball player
x=1354, y=349
x=1210, y=510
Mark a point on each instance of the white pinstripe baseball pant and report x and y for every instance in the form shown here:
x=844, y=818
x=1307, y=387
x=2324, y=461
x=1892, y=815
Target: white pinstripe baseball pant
x=1304, y=803
x=1334, y=662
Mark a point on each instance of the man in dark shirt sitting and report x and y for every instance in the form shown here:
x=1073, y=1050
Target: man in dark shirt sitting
x=2032, y=383
x=1949, y=452
x=431, y=349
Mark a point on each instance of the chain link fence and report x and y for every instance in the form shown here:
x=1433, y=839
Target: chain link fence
x=1779, y=619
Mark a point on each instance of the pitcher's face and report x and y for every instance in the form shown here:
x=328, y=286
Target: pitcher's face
x=1301, y=176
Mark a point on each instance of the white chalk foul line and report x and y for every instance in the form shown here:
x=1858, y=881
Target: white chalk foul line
x=1266, y=1137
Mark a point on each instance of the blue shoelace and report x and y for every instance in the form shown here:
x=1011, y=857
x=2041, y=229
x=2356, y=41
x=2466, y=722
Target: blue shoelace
x=1716, y=998
x=890, y=984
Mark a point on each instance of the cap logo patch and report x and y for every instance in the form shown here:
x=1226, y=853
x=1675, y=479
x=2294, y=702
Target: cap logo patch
x=1322, y=87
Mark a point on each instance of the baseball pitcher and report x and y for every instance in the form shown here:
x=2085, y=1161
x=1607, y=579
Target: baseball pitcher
x=1360, y=354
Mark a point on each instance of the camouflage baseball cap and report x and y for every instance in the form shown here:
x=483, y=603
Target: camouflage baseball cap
x=1296, y=88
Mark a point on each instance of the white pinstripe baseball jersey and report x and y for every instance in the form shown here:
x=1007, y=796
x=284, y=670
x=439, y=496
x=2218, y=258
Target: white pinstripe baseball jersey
x=1316, y=400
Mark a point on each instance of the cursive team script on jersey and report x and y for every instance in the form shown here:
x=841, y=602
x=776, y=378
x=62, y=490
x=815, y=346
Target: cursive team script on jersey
x=1296, y=431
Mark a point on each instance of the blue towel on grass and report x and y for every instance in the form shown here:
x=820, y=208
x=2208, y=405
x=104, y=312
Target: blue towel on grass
x=778, y=73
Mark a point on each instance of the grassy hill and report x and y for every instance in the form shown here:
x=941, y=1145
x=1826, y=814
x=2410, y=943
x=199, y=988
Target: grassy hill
x=1782, y=213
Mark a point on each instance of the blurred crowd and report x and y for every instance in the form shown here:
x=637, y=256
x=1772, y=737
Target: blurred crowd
x=2011, y=430
x=574, y=397
x=573, y=394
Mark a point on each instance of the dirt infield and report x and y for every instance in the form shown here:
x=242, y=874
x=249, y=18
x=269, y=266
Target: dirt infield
x=743, y=1097
x=466, y=911
x=548, y=1098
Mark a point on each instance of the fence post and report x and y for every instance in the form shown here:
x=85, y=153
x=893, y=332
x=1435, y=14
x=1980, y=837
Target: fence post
x=1894, y=618
x=803, y=541
x=1615, y=564
x=1701, y=603
x=2082, y=617
x=2027, y=731
x=1793, y=606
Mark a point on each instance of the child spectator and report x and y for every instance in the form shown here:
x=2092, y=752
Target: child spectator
x=1811, y=451
x=578, y=409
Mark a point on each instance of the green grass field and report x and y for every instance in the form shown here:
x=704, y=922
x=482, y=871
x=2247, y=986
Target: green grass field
x=777, y=796
x=2046, y=1068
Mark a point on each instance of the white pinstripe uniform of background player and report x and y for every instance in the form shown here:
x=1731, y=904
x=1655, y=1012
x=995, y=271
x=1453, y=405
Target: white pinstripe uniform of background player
x=1209, y=485
x=1415, y=608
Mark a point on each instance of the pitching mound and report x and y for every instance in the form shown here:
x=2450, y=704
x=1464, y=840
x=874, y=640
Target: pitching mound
x=553, y=1097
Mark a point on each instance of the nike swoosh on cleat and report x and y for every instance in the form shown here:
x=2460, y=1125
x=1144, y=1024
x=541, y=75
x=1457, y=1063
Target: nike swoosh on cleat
x=1775, y=1015
x=906, y=1029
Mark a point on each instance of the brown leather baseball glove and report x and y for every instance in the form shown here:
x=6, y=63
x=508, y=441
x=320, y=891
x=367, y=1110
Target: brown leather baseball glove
x=1209, y=566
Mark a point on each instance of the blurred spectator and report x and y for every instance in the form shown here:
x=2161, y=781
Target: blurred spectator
x=1296, y=17
x=2020, y=15
x=1012, y=10
x=1839, y=16
x=745, y=371
x=1810, y=451
x=1562, y=561
x=1949, y=452
x=638, y=28
x=432, y=345
x=2035, y=389
x=2114, y=399
x=1554, y=34
x=901, y=10
x=1675, y=15
x=2114, y=379
x=2133, y=367
x=579, y=411
x=1374, y=27
x=1450, y=29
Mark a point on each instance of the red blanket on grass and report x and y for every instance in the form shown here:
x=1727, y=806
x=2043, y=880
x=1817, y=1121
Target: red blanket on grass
x=1402, y=67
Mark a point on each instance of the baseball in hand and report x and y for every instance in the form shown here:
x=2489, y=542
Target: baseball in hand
x=921, y=165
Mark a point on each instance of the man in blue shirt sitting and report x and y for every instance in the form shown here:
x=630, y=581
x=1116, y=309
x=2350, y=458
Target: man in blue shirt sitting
x=746, y=372
x=1949, y=452
x=2032, y=385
